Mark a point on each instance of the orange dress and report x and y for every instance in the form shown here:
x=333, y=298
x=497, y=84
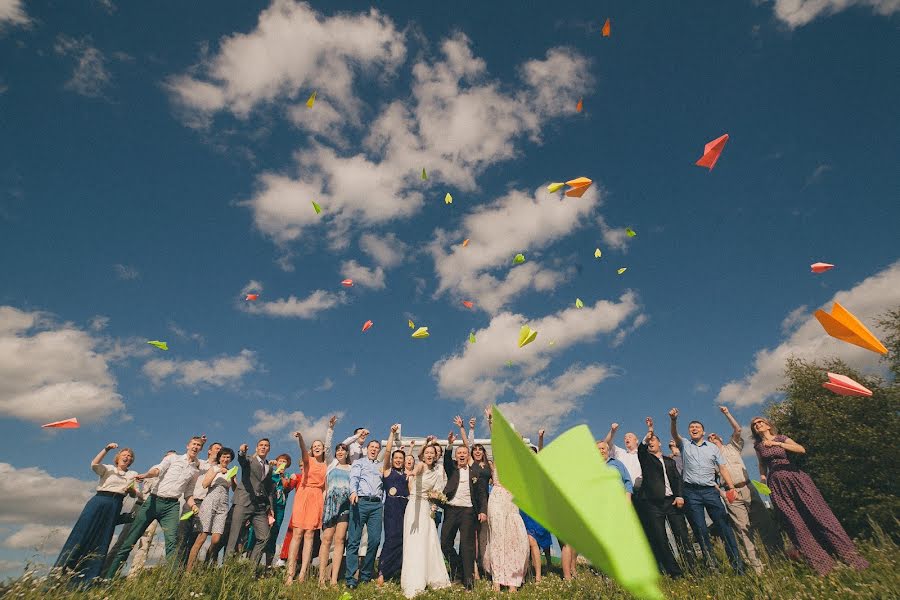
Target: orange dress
x=309, y=501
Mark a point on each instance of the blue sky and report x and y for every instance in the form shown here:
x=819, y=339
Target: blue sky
x=159, y=161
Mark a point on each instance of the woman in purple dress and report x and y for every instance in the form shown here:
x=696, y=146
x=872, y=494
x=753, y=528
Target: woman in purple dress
x=396, y=496
x=811, y=525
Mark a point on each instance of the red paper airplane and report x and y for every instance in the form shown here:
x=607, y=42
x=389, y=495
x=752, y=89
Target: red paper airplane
x=347, y=283
x=606, y=28
x=468, y=304
x=843, y=385
x=580, y=105
x=252, y=297
x=67, y=424
x=820, y=267
x=367, y=326
x=711, y=152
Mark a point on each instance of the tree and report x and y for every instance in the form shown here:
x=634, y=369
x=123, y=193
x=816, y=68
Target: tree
x=852, y=443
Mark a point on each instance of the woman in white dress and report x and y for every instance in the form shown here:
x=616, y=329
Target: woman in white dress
x=423, y=561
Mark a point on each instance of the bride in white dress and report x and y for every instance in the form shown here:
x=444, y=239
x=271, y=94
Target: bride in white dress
x=423, y=562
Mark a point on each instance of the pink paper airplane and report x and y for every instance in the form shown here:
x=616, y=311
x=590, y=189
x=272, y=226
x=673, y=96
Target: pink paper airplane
x=367, y=326
x=820, y=267
x=347, y=283
x=711, y=152
x=252, y=297
x=468, y=303
x=66, y=424
x=843, y=385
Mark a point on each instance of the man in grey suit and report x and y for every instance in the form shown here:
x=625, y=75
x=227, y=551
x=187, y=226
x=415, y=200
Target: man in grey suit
x=253, y=499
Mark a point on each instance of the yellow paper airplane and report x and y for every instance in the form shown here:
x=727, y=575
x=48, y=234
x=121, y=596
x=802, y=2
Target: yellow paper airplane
x=578, y=186
x=421, y=332
x=518, y=259
x=411, y=324
x=597, y=253
x=448, y=199
x=471, y=337
x=843, y=325
x=424, y=175
x=526, y=335
x=316, y=207
x=630, y=232
x=554, y=187
x=160, y=345
x=622, y=270
x=311, y=101
x=579, y=303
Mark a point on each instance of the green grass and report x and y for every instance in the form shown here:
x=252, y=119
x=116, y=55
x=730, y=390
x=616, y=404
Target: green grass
x=782, y=580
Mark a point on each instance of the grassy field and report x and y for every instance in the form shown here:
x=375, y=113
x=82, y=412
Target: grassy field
x=783, y=580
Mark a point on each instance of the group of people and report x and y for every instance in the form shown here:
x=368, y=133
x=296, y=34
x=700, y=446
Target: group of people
x=412, y=503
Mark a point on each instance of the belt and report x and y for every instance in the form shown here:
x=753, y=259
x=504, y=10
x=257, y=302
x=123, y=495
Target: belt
x=697, y=486
x=369, y=498
x=741, y=484
x=163, y=498
x=111, y=494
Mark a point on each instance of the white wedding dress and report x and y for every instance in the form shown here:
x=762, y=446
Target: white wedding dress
x=423, y=562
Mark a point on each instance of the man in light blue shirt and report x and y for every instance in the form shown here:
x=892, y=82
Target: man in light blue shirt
x=366, y=494
x=603, y=447
x=702, y=460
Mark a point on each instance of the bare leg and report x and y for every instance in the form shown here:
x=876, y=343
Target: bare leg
x=195, y=550
x=535, y=558
x=340, y=534
x=324, y=549
x=308, y=537
x=296, y=536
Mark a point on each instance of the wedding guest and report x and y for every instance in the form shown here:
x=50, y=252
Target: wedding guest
x=675, y=454
x=282, y=486
x=423, y=560
x=356, y=443
x=603, y=447
x=85, y=549
x=506, y=545
x=189, y=528
x=336, y=516
x=662, y=499
x=810, y=524
x=309, y=506
x=177, y=475
x=214, y=509
x=396, y=486
x=701, y=462
x=539, y=539
x=481, y=468
x=466, y=503
x=366, y=494
x=253, y=499
x=628, y=456
x=739, y=510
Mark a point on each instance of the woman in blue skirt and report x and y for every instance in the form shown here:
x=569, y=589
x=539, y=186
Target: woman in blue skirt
x=85, y=550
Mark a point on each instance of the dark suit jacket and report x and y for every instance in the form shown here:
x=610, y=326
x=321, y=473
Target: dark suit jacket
x=253, y=485
x=654, y=487
x=477, y=489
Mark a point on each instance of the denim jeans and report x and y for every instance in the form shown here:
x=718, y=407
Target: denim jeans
x=697, y=498
x=368, y=514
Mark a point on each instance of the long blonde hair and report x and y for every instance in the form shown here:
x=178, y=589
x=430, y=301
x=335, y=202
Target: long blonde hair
x=756, y=437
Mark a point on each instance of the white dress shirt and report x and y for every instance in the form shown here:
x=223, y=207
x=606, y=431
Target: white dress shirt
x=112, y=479
x=665, y=476
x=463, y=496
x=177, y=476
x=631, y=462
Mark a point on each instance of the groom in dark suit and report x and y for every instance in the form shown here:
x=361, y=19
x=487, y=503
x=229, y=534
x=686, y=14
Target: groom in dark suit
x=253, y=499
x=467, y=497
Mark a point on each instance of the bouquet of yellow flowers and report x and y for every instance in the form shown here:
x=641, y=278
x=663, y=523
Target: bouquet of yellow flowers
x=437, y=497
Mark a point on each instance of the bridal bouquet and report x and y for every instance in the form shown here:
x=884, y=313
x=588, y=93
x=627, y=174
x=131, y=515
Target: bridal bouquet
x=437, y=497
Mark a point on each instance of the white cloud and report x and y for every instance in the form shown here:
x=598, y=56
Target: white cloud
x=90, y=76
x=326, y=385
x=479, y=374
x=363, y=276
x=290, y=307
x=797, y=13
x=867, y=300
x=98, y=323
x=52, y=371
x=614, y=238
x=386, y=250
x=292, y=51
x=221, y=371
x=44, y=519
x=126, y=272
x=184, y=334
x=13, y=13
x=517, y=222
x=285, y=424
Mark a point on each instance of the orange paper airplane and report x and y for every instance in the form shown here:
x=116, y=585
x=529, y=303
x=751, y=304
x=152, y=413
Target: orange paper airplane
x=843, y=325
x=843, y=385
x=711, y=152
x=347, y=283
x=580, y=105
x=577, y=187
x=67, y=424
x=606, y=27
x=820, y=267
x=468, y=304
x=465, y=242
x=367, y=326
x=252, y=297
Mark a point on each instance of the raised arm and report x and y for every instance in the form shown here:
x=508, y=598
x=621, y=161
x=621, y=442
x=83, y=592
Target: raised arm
x=304, y=452
x=457, y=420
x=386, y=465
x=448, y=455
x=735, y=427
x=489, y=415
x=329, y=435
x=540, y=443
x=611, y=434
x=472, y=422
x=99, y=458
x=673, y=417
